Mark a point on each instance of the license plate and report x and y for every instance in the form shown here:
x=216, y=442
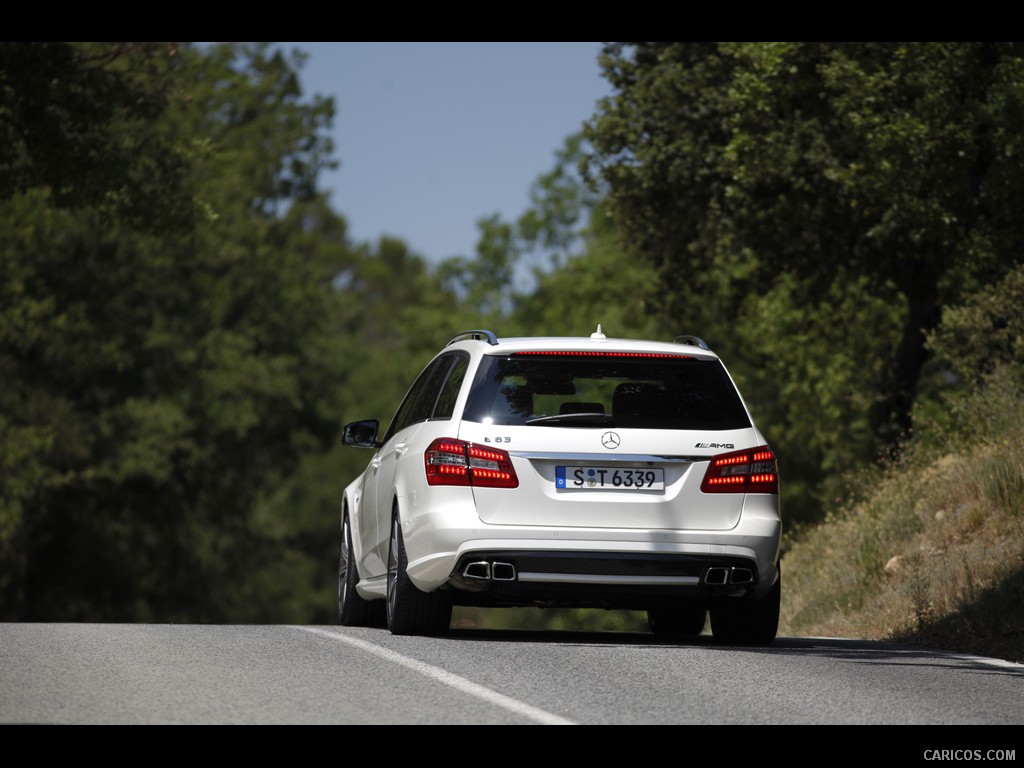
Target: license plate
x=609, y=479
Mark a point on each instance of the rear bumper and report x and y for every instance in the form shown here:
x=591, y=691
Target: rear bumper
x=608, y=567
x=636, y=581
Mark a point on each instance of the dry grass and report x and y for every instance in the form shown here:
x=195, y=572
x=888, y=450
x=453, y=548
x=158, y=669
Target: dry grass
x=933, y=554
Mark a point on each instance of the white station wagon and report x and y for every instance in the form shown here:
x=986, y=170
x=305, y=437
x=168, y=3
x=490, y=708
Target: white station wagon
x=566, y=472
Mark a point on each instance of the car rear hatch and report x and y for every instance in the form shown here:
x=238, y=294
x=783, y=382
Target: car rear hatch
x=609, y=439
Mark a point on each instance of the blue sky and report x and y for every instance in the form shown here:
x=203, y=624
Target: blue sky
x=433, y=136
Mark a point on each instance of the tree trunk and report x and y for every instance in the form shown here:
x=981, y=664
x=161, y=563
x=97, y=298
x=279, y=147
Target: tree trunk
x=892, y=420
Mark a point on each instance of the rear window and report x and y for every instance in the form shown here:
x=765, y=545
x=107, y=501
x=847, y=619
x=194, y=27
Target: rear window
x=629, y=391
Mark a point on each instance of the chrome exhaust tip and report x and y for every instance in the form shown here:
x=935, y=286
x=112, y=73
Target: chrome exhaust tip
x=741, y=576
x=503, y=572
x=479, y=570
x=716, y=576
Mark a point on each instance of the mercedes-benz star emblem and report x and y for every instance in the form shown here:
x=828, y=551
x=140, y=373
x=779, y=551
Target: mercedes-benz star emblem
x=610, y=440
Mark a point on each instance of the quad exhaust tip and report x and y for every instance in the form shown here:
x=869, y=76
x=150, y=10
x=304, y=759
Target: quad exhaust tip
x=485, y=570
x=503, y=572
x=722, y=575
x=479, y=570
x=741, y=576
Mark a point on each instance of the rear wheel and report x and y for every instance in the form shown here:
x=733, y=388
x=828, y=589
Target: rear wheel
x=410, y=611
x=353, y=610
x=684, y=621
x=741, y=622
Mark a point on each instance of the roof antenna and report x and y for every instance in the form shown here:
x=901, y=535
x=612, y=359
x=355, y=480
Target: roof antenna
x=598, y=336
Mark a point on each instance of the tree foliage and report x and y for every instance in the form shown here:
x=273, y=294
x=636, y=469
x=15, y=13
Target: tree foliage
x=559, y=268
x=160, y=379
x=799, y=186
x=985, y=332
x=83, y=121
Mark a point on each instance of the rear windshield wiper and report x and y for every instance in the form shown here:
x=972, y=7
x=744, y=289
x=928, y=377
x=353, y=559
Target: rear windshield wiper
x=580, y=419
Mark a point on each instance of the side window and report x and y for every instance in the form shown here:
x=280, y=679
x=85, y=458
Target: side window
x=425, y=389
x=445, y=406
x=424, y=405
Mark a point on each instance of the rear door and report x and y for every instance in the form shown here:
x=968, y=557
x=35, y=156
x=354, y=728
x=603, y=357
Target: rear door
x=430, y=397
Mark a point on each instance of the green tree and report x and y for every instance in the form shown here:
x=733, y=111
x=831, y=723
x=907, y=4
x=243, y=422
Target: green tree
x=836, y=175
x=558, y=269
x=161, y=381
x=978, y=360
x=82, y=120
x=596, y=282
x=985, y=332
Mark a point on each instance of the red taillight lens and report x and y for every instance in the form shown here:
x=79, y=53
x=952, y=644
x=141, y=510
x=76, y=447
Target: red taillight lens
x=446, y=463
x=456, y=462
x=750, y=471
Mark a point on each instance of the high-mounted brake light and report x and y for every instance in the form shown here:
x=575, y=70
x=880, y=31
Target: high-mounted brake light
x=750, y=471
x=591, y=353
x=455, y=462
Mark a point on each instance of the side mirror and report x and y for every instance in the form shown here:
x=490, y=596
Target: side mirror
x=361, y=434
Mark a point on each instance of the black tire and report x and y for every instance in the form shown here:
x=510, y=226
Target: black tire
x=679, y=621
x=410, y=611
x=353, y=610
x=741, y=622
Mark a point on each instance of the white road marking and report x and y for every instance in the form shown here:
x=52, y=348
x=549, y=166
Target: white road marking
x=987, y=661
x=907, y=648
x=454, y=681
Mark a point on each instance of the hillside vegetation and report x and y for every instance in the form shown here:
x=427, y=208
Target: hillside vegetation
x=932, y=550
x=930, y=546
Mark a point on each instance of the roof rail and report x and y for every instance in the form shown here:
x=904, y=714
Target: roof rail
x=477, y=335
x=693, y=341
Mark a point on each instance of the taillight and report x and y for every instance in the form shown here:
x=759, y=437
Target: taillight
x=751, y=471
x=455, y=462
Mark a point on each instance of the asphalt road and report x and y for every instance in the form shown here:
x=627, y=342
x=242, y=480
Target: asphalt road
x=197, y=674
